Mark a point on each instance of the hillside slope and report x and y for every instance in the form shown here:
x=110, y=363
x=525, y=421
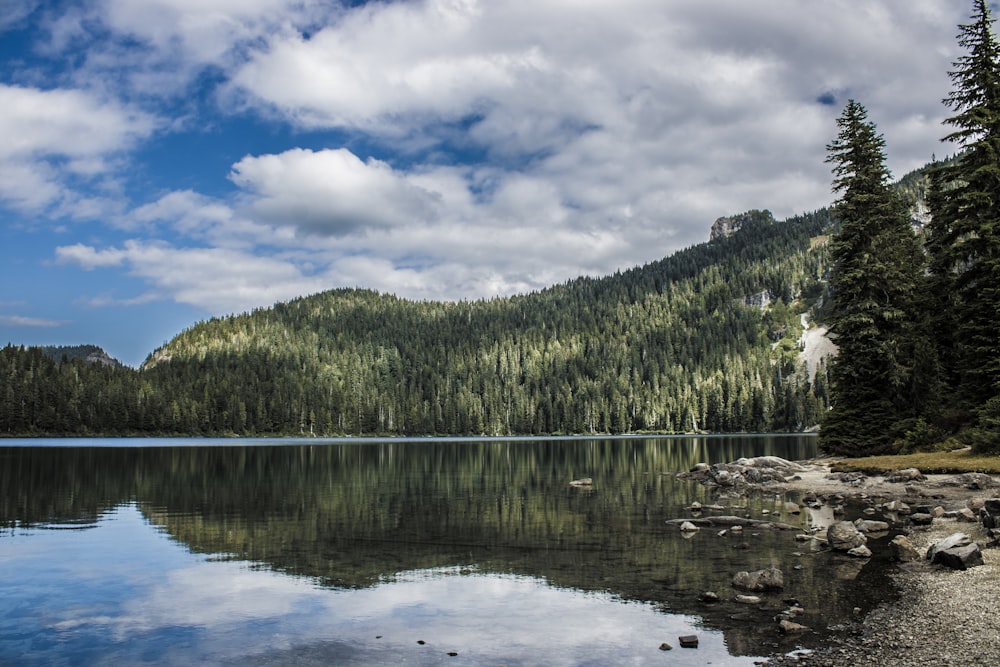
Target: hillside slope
x=706, y=339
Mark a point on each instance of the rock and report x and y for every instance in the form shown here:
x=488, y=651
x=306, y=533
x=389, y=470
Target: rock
x=747, y=599
x=971, y=480
x=869, y=526
x=975, y=504
x=688, y=641
x=921, y=519
x=844, y=536
x=897, y=506
x=586, y=481
x=790, y=628
x=937, y=512
x=689, y=527
x=770, y=579
x=952, y=541
x=802, y=537
x=905, y=475
x=992, y=505
x=695, y=506
x=965, y=515
x=709, y=596
x=860, y=552
x=792, y=508
x=959, y=558
x=903, y=550
x=666, y=647
x=701, y=467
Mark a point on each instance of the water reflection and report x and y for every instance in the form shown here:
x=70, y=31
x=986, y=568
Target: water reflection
x=496, y=525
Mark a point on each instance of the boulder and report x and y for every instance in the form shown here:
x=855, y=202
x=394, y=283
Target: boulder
x=952, y=541
x=770, y=579
x=860, y=552
x=870, y=526
x=903, y=550
x=905, y=475
x=844, y=536
x=966, y=515
x=959, y=558
x=921, y=519
x=897, y=506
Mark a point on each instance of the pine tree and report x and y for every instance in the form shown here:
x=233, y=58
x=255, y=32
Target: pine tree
x=964, y=235
x=877, y=265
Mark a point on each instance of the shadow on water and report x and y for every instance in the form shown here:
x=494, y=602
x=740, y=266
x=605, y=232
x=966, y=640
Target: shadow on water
x=354, y=516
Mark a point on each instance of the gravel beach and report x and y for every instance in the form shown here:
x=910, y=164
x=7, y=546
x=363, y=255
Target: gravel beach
x=944, y=617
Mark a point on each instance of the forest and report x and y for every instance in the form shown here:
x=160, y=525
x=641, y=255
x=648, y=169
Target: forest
x=685, y=344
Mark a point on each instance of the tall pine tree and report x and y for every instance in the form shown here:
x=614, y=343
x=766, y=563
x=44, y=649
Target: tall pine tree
x=964, y=235
x=877, y=267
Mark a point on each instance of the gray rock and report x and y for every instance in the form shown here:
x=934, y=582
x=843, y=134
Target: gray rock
x=860, y=552
x=792, y=508
x=688, y=641
x=952, y=541
x=921, y=519
x=966, y=515
x=689, y=527
x=905, y=475
x=959, y=558
x=844, y=536
x=666, y=647
x=903, y=550
x=992, y=505
x=870, y=526
x=747, y=599
x=770, y=579
x=897, y=506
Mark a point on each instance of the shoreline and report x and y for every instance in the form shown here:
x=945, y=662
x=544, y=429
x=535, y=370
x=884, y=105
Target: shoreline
x=942, y=616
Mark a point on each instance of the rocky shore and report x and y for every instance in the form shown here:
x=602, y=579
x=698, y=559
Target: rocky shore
x=947, y=611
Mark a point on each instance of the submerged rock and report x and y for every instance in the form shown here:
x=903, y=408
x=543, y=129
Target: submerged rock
x=770, y=579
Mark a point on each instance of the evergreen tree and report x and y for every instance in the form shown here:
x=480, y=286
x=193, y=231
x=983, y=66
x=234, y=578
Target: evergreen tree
x=877, y=264
x=964, y=235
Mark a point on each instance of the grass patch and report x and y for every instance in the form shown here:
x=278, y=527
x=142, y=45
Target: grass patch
x=953, y=462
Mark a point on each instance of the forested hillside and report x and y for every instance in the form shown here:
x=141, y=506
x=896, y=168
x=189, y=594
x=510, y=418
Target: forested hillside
x=704, y=340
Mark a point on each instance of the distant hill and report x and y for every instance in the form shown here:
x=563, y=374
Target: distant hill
x=89, y=353
x=705, y=340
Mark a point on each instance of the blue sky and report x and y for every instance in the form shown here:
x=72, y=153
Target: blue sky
x=166, y=161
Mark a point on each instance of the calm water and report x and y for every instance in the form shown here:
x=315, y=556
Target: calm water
x=390, y=552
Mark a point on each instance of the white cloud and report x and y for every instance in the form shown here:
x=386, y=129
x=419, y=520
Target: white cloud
x=54, y=136
x=521, y=143
x=218, y=280
x=24, y=321
x=330, y=192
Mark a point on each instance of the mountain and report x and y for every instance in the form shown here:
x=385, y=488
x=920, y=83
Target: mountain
x=705, y=340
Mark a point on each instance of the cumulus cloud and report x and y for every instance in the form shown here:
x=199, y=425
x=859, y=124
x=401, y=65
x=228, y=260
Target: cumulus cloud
x=53, y=136
x=330, y=192
x=462, y=148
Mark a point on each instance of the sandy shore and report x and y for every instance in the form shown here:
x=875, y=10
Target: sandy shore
x=944, y=617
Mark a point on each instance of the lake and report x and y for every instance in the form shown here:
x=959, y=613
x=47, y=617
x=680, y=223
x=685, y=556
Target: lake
x=401, y=551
